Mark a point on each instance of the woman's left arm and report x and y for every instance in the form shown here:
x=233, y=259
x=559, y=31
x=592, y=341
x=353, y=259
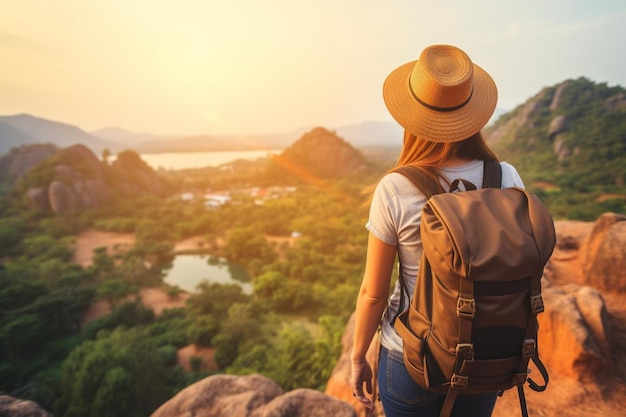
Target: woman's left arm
x=371, y=303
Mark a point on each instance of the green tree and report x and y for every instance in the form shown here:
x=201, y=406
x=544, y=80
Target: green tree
x=102, y=265
x=11, y=233
x=244, y=245
x=203, y=330
x=46, y=246
x=21, y=335
x=274, y=290
x=306, y=361
x=115, y=290
x=119, y=374
x=215, y=299
x=242, y=331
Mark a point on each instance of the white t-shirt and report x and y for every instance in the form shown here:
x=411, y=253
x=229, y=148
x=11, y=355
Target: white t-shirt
x=394, y=218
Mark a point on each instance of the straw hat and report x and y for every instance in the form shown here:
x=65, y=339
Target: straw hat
x=441, y=97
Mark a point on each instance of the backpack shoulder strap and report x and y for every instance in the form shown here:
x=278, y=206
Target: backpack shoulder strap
x=492, y=174
x=420, y=179
x=425, y=183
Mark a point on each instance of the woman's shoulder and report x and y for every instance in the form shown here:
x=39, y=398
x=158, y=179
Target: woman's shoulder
x=397, y=183
x=397, y=190
x=510, y=176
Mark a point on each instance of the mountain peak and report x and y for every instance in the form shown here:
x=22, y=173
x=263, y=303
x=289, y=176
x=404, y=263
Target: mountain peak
x=325, y=154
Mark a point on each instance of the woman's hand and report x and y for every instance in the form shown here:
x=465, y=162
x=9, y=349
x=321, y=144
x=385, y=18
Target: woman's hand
x=362, y=374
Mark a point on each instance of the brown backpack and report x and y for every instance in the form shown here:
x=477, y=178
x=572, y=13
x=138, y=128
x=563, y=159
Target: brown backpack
x=471, y=326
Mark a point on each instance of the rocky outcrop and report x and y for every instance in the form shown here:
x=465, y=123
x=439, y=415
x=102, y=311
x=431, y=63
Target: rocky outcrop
x=321, y=153
x=304, y=403
x=61, y=197
x=557, y=126
x=574, y=334
x=570, y=127
x=560, y=149
x=74, y=178
x=603, y=254
x=250, y=396
x=557, y=96
x=38, y=198
x=14, y=407
x=17, y=162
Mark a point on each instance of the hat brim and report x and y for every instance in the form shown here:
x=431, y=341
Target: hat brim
x=436, y=125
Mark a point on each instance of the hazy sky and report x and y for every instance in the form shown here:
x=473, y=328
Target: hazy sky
x=252, y=66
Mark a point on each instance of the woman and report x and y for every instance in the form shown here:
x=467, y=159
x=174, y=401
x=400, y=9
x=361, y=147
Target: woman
x=442, y=100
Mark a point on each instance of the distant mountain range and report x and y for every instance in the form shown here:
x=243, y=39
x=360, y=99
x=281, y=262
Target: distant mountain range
x=25, y=129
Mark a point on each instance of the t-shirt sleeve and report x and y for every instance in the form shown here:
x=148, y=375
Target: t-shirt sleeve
x=510, y=176
x=384, y=211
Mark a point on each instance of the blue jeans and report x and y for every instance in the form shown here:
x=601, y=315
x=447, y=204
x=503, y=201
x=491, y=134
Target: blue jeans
x=403, y=397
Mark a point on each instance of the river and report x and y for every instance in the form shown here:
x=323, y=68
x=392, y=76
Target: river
x=188, y=160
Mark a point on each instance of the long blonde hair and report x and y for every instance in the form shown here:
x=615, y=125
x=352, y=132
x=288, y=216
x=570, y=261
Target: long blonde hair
x=430, y=157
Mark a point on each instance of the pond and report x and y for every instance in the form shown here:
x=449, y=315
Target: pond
x=188, y=271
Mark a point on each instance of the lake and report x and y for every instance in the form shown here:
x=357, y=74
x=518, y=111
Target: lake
x=189, y=160
x=189, y=270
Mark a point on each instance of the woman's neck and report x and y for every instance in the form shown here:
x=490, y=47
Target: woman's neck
x=456, y=161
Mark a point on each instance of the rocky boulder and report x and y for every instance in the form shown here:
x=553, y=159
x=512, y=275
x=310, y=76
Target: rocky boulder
x=250, y=396
x=603, y=254
x=61, y=197
x=38, y=198
x=557, y=125
x=17, y=162
x=14, y=407
x=74, y=178
x=574, y=335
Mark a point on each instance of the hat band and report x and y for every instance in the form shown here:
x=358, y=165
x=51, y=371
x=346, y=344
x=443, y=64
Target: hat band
x=435, y=108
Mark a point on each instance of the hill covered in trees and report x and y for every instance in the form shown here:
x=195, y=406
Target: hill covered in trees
x=569, y=144
x=320, y=153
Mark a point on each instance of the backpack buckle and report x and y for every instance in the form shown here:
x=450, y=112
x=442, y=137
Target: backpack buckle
x=465, y=351
x=459, y=381
x=536, y=304
x=466, y=307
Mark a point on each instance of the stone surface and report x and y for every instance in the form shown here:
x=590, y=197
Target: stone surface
x=221, y=395
x=14, y=407
x=574, y=333
x=603, y=254
x=557, y=125
x=250, y=396
x=62, y=198
x=76, y=179
x=304, y=403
